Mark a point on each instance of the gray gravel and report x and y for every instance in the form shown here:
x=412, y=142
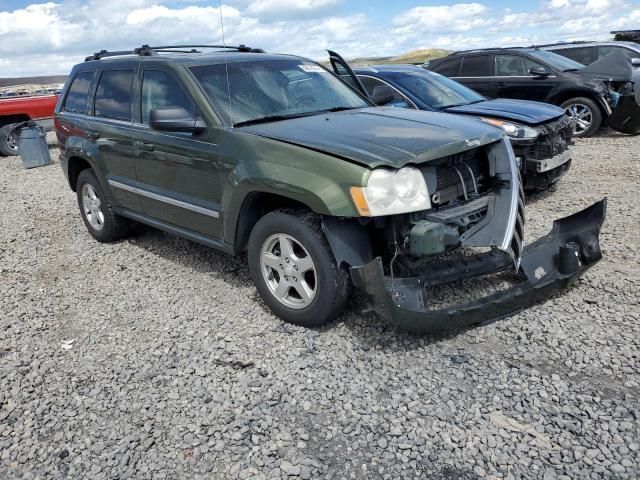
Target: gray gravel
x=154, y=358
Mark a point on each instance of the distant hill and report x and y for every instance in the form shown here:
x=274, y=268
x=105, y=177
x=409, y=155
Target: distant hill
x=415, y=56
x=7, y=82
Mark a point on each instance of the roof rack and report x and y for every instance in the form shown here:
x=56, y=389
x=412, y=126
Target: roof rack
x=147, y=51
x=556, y=44
x=483, y=50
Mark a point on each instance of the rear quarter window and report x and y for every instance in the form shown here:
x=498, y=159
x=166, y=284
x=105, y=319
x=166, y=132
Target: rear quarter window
x=113, y=95
x=78, y=94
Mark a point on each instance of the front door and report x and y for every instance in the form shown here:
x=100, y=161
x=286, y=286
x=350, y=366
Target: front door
x=177, y=172
x=513, y=80
x=342, y=69
x=108, y=129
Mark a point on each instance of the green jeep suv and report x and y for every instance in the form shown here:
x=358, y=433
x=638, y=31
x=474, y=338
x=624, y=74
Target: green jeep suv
x=276, y=157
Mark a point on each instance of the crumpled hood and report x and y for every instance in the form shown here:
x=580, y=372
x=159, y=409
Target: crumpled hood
x=521, y=111
x=616, y=67
x=381, y=136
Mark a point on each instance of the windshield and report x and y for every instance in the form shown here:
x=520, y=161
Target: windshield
x=273, y=90
x=555, y=60
x=435, y=90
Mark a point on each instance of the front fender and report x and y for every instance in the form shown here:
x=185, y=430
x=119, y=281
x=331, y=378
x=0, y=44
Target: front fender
x=256, y=164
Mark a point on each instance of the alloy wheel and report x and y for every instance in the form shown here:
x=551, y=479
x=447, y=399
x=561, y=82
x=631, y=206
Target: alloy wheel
x=92, y=207
x=289, y=271
x=582, y=117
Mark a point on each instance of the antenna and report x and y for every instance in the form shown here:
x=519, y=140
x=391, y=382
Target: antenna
x=221, y=22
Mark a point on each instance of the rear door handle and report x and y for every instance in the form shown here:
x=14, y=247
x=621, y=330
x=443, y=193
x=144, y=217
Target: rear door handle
x=147, y=147
x=93, y=135
x=500, y=84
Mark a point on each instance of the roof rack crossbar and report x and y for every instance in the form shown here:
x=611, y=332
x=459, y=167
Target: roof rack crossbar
x=146, y=50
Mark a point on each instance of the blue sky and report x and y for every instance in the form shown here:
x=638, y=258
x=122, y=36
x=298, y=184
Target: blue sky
x=48, y=37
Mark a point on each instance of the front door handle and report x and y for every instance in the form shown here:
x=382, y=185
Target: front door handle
x=500, y=84
x=93, y=135
x=147, y=147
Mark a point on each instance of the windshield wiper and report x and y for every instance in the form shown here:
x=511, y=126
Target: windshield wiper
x=268, y=118
x=336, y=109
x=276, y=118
x=571, y=70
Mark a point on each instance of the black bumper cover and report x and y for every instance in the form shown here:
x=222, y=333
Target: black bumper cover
x=549, y=264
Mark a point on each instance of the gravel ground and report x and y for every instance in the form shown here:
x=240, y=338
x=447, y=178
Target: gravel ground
x=154, y=358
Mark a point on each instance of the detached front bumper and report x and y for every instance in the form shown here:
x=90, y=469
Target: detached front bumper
x=625, y=117
x=549, y=264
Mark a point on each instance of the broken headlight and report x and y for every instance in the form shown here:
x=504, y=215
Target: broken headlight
x=513, y=130
x=391, y=192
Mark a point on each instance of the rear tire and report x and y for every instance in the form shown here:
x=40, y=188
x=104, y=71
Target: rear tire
x=98, y=215
x=294, y=270
x=587, y=115
x=8, y=142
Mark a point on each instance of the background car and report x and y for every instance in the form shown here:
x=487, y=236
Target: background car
x=589, y=52
x=533, y=74
x=540, y=133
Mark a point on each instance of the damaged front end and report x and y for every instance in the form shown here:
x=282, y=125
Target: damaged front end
x=473, y=232
x=622, y=90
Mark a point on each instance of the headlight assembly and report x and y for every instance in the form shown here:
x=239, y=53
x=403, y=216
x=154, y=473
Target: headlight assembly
x=513, y=130
x=390, y=192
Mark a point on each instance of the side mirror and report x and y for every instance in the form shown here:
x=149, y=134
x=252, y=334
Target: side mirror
x=175, y=119
x=538, y=72
x=635, y=62
x=382, y=94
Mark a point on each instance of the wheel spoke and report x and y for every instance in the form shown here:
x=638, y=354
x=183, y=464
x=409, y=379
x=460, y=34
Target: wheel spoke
x=282, y=290
x=303, y=289
x=304, y=264
x=286, y=247
x=271, y=260
x=583, y=124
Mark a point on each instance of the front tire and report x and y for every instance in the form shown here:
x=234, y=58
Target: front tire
x=98, y=215
x=586, y=114
x=294, y=269
x=8, y=141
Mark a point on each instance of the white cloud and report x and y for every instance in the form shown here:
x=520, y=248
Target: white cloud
x=460, y=17
x=282, y=9
x=48, y=38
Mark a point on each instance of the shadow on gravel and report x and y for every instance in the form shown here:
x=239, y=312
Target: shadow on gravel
x=191, y=255
x=359, y=317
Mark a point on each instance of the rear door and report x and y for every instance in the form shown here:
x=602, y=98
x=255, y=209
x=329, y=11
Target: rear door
x=70, y=119
x=513, y=80
x=177, y=172
x=476, y=72
x=108, y=128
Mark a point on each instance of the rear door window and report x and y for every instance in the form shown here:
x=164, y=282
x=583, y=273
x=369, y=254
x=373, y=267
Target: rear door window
x=449, y=67
x=113, y=95
x=477, y=66
x=514, y=66
x=159, y=89
x=76, y=101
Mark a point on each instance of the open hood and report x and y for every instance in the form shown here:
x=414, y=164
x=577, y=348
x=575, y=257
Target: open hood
x=383, y=136
x=616, y=67
x=521, y=111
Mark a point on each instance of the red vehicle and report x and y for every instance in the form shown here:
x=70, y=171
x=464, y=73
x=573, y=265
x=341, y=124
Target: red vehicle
x=14, y=110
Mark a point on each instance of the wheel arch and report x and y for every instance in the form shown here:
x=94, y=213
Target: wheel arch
x=16, y=118
x=76, y=165
x=256, y=205
x=562, y=97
